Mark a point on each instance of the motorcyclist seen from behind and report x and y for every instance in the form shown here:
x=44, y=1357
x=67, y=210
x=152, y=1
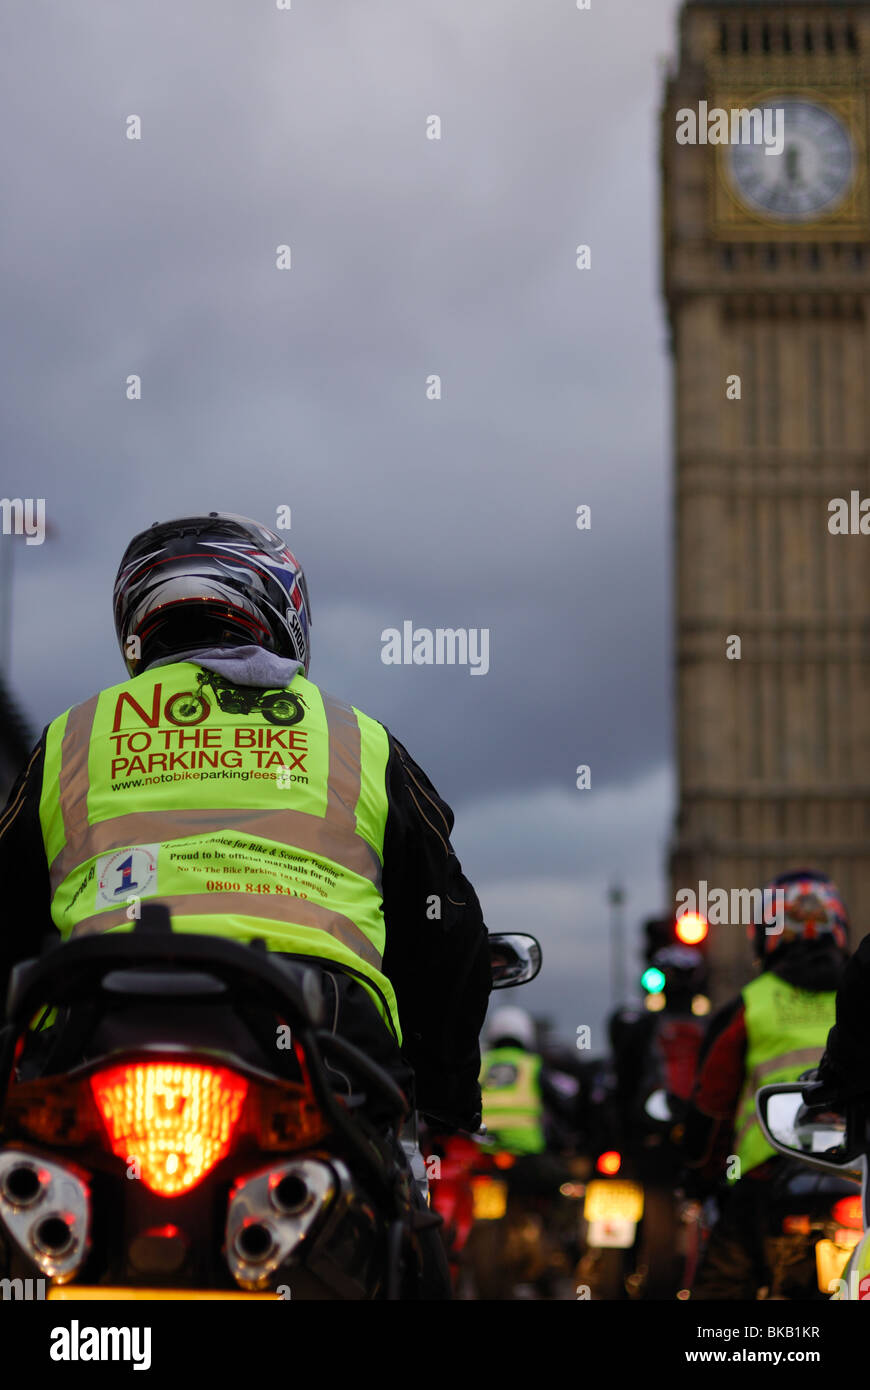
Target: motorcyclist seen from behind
x=220, y=780
x=774, y=1031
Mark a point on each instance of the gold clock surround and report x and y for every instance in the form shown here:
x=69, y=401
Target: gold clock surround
x=733, y=220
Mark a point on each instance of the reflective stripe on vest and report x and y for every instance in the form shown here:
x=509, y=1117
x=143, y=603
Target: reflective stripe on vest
x=247, y=815
x=786, y=1032
x=512, y=1104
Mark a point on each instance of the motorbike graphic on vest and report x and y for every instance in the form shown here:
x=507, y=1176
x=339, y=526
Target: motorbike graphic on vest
x=191, y=706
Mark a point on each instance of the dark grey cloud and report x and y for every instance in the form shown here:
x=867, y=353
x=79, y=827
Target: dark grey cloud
x=307, y=388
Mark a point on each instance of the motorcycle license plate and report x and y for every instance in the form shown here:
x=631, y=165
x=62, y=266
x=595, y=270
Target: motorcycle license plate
x=832, y=1258
x=490, y=1199
x=614, y=1234
x=613, y=1201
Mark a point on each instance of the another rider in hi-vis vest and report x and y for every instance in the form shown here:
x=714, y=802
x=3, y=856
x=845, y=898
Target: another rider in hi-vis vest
x=220, y=780
x=774, y=1031
x=529, y=1108
x=510, y=1076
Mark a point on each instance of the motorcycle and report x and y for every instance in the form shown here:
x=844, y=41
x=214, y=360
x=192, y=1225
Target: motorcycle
x=641, y=1232
x=509, y=1229
x=175, y=1133
x=502, y=1243
x=192, y=706
x=470, y=1189
x=832, y=1201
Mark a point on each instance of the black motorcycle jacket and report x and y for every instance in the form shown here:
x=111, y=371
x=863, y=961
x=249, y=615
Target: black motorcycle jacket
x=845, y=1066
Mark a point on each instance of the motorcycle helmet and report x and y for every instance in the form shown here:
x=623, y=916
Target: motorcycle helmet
x=511, y=1027
x=210, y=580
x=809, y=908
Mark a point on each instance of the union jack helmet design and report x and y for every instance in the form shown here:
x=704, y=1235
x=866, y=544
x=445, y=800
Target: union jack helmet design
x=808, y=906
x=207, y=580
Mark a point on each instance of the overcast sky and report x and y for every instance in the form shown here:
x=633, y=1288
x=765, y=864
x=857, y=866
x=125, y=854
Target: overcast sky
x=307, y=387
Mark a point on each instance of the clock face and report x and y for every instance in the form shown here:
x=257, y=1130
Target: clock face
x=809, y=177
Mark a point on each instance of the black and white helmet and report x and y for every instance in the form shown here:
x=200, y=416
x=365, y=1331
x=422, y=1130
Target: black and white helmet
x=206, y=581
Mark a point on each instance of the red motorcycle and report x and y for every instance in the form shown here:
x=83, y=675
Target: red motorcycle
x=469, y=1188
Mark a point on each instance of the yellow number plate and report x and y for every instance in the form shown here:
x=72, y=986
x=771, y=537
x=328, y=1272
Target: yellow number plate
x=490, y=1199
x=613, y=1201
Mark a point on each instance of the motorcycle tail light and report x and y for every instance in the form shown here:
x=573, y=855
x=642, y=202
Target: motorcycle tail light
x=796, y=1225
x=848, y=1212
x=573, y=1189
x=609, y=1162
x=504, y=1160
x=65, y=1110
x=175, y=1119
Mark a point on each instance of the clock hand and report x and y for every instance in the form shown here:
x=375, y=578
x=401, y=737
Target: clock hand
x=792, y=165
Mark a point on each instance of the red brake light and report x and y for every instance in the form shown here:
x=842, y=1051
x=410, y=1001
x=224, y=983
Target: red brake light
x=609, y=1162
x=848, y=1212
x=504, y=1160
x=175, y=1118
x=796, y=1225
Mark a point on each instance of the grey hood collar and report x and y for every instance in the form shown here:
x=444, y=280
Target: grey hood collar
x=240, y=665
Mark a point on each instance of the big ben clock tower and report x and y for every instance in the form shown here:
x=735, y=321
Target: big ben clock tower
x=766, y=257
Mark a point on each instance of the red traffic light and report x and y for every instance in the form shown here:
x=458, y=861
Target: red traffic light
x=691, y=928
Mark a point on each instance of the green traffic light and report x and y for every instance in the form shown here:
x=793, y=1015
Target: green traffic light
x=653, y=980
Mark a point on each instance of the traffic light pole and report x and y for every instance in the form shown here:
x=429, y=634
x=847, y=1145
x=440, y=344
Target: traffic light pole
x=616, y=898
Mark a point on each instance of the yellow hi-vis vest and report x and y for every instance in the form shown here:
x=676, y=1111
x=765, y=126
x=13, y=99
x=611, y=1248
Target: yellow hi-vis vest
x=249, y=813
x=786, y=1032
x=512, y=1104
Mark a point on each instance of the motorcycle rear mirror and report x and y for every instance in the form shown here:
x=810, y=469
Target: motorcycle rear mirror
x=515, y=958
x=816, y=1135
x=657, y=1106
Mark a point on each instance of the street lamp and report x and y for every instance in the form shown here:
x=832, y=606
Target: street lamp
x=616, y=898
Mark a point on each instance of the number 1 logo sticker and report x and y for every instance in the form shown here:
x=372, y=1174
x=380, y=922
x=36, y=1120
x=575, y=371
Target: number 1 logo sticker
x=131, y=870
